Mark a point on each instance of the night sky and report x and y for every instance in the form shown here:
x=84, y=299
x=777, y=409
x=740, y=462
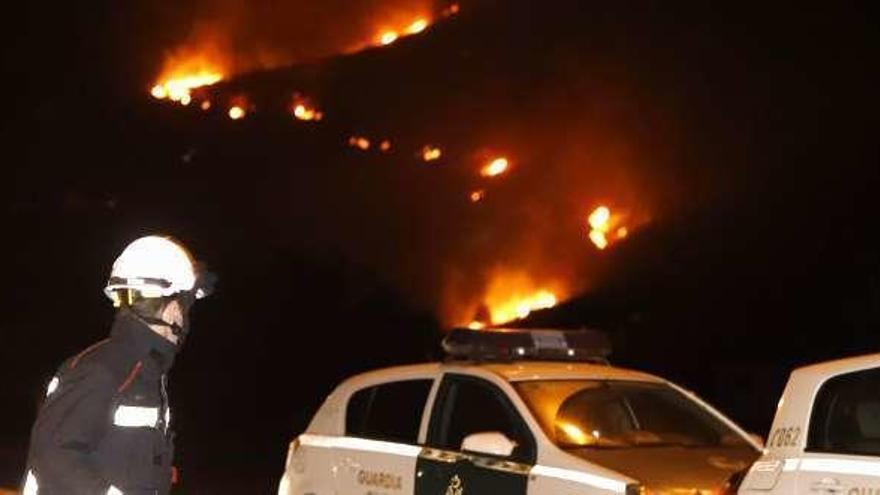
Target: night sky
x=741, y=141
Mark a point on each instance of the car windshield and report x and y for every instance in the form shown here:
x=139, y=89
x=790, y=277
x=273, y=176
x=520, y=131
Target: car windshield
x=622, y=414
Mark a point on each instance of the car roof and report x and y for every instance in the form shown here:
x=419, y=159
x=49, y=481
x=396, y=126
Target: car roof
x=825, y=369
x=510, y=371
x=554, y=370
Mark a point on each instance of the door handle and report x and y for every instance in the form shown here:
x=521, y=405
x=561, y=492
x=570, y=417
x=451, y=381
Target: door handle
x=827, y=485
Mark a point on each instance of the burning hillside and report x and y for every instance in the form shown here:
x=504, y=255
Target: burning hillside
x=479, y=213
x=243, y=37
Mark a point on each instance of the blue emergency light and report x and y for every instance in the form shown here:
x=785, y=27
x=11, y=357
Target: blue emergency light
x=512, y=344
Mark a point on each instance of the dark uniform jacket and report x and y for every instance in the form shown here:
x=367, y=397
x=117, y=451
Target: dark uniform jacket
x=105, y=419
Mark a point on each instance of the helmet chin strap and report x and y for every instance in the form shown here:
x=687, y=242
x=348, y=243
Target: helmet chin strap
x=176, y=329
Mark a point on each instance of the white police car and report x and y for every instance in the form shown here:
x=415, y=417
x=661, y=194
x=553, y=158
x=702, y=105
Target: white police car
x=514, y=412
x=826, y=434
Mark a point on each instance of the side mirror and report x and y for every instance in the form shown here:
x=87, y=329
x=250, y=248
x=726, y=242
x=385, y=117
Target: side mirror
x=489, y=442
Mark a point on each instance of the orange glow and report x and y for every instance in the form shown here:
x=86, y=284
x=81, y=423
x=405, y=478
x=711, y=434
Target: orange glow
x=417, y=26
x=496, y=167
x=306, y=113
x=478, y=195
x=451, y=10
x=599, y=219
x=179, y=87
x=385, y=146
x=206, y=105
x=514, y=295
x=388, y=37
x=359, y=142
x=574, y=434
x=431, y=153
x=400, y=28
x=605, y=227
x=476, y=325
x=236, y=112
x=599, y=239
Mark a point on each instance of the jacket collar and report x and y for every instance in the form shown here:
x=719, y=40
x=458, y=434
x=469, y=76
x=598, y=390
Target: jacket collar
x=139, y=341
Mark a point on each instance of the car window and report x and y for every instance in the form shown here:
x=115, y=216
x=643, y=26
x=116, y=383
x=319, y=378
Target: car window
x=467, y=405
x=619, y=414
x=390, y=411
x=846, y=415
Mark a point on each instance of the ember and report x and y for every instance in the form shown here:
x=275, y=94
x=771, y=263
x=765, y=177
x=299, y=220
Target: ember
x=601, y=224
x=302, y=112
x=431, y=153
x=359, y=142
x=495, y=168
x=417, y=26
x=388, y=37
x=236, y=112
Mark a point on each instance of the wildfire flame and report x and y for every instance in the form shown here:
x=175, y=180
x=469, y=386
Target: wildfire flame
x=601, y=223
x=451, y=10
x=431, y=153
x=478, y=195
x=179, y=88
x=512, y=296
x=417, y=26
x=495, y=167
x=359, y=142
x=236, y=112
x=388, y=36
x=302, y=110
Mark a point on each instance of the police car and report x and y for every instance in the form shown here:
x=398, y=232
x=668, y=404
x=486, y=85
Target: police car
x=826, y=434
x=515, y=412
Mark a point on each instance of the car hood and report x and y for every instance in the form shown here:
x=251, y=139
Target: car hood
x=673, y=469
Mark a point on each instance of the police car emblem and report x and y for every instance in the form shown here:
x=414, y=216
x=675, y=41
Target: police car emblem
x=455, y=487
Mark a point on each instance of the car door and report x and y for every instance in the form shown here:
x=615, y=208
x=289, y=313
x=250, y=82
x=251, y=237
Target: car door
x=842, y=452
x=378, y=453
x=464, y=406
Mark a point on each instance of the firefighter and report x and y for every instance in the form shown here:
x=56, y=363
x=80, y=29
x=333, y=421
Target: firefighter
x=104, y=426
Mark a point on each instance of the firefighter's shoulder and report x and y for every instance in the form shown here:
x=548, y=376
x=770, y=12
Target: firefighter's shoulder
x=825, y=435
x=514, y=411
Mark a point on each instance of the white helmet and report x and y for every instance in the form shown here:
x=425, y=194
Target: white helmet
x=153, y=266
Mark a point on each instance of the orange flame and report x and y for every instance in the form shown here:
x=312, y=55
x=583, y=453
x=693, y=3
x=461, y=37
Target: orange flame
x=417, y=26
x=478, y=195
x=513, y=296
x=236, y=112
x=184, y=74
x=359, y=142
x=179, y=88
x=451, y=10
x=385, y=146
x=495, y=168
x=388, y=36
x=601, y=223
x=431, y=153
x=305, y=113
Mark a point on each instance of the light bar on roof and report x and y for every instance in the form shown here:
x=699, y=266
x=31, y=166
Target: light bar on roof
x=505, y=344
